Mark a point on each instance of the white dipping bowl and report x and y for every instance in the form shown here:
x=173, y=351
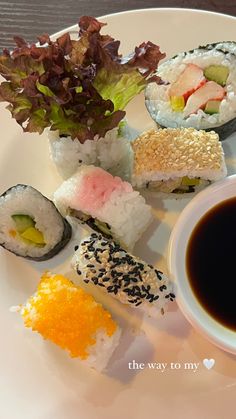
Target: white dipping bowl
x=200, y=319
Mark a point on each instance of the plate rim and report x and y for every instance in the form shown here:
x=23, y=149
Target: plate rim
x=131, y=389
x=187, y=307
x=153, y=9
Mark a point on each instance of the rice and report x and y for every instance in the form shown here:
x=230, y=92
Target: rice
x=24, y=199
x=170, y=154
x=70, y=317
x=121, y=275
x=112, y=153
x=157, y=98
x=106, y=199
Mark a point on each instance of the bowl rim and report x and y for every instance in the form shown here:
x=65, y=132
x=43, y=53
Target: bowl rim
x=191, y=308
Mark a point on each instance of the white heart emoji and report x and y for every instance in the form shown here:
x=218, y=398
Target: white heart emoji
x=208, y=363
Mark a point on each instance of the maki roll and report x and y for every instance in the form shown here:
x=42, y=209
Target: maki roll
x=225, y=46
x=111, y=152
x=125, y=277
x=200, y=90
x=30, y=224
x=177, y=160
x=70, y=317
x=105, y=204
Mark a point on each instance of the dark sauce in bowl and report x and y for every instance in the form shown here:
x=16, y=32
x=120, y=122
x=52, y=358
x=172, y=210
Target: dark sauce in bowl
x=211, y=262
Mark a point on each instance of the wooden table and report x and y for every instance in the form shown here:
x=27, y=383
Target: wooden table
x=29, y=18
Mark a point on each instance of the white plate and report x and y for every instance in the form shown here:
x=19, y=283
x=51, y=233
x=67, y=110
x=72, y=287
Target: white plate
x=38, y=380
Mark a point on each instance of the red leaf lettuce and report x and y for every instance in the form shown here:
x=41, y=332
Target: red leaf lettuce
x=78, y=87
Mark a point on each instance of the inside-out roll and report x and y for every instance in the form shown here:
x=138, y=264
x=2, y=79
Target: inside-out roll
x=177, y=160
x=121, y=275
x=71, y=318
x=104, y=203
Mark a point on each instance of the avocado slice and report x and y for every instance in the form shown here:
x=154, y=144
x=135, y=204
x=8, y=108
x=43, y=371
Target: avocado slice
x=217, y=73
x=212, y=107
x=22, y=222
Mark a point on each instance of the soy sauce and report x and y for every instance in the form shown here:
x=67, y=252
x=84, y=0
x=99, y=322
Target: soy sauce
x=211, y=262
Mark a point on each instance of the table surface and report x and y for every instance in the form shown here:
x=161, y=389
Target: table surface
x=29, y=18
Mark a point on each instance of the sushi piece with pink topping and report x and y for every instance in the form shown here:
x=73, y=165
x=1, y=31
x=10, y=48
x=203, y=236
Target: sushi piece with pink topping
x=105, y=204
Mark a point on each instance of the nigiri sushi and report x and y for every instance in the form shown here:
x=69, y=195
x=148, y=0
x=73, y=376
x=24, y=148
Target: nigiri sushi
x=105, y=204
x=70, y=317
x=123, y=276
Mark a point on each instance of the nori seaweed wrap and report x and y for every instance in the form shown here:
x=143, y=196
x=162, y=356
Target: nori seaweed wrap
x=200, y=90
x=30, y=224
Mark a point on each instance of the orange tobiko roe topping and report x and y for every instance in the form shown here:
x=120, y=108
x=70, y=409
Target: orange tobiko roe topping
x=67, y=315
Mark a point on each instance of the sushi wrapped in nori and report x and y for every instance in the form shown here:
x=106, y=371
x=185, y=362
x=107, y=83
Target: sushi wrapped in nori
x=105, y=204
x=71, y=318
x=177, y=160
x=30, y=224
x=125, y=277
x=200, y=90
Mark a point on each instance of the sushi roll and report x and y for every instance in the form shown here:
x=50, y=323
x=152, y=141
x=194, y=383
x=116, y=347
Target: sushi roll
x=177, y=160
x=200, y=90
x=105, y=204
x=123, y=276
x=111, y=152
x=225, y=46
x=70, y=317
x=30, y=224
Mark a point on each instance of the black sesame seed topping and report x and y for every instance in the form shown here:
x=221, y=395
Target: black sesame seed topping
x=95, y=280
x=159, y=274
x=127, y=290
x=120, y=272
x=91, y=248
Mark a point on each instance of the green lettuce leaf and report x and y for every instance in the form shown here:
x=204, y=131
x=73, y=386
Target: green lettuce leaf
x=119, y=88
